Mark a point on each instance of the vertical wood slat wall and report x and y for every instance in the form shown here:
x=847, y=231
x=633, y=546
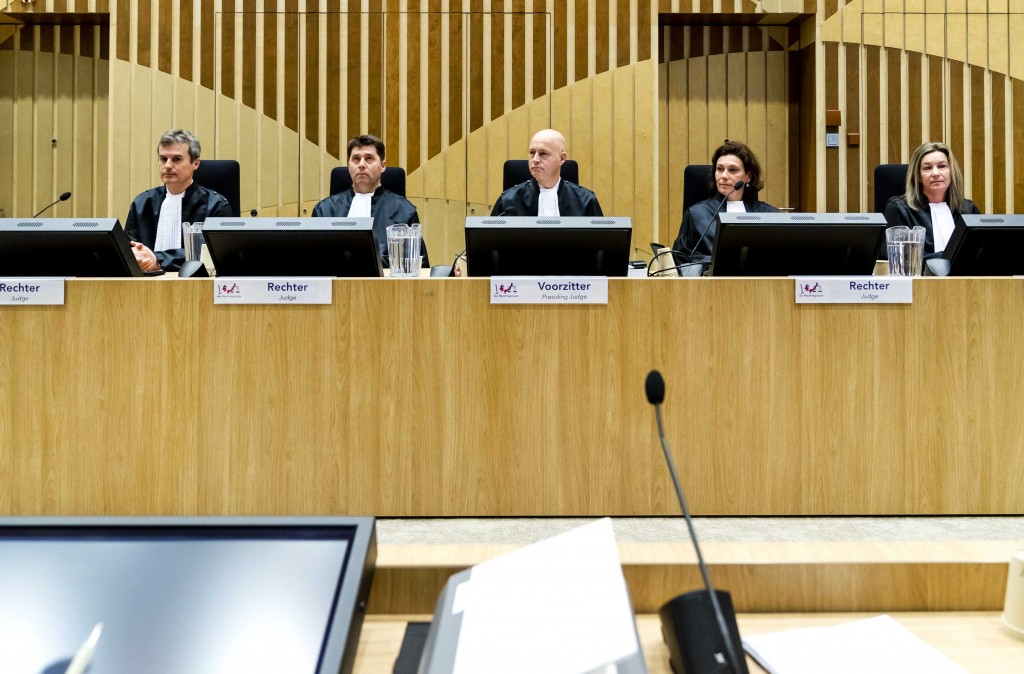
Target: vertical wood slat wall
x=922, y=70
x=457, y=86
x=719, y=82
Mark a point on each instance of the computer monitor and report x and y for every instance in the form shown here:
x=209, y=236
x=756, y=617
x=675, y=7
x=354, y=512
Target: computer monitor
x=987, y=245
x=65, y=247
x=198, y=595
x=525, y=246
x=788, y=244
x=293, y=246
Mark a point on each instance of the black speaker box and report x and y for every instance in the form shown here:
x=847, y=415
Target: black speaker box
x=695, y=643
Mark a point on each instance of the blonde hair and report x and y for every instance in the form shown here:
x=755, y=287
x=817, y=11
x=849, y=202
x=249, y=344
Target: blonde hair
x=914, y=195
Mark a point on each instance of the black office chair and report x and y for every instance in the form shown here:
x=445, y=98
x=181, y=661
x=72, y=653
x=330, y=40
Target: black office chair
x=696, y=185
x=890, y=181
x=518, y=171
x=393, y=179
x=223, y=176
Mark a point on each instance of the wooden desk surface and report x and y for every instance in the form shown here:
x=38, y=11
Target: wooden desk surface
x=972, y=640
x=419, y=398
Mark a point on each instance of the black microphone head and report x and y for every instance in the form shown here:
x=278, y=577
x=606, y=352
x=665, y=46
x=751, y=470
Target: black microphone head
x=654, y=386
x=65, y=196
x=739, y=185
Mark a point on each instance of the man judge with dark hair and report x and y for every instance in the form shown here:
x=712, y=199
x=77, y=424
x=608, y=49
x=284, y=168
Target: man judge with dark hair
x=367, y=198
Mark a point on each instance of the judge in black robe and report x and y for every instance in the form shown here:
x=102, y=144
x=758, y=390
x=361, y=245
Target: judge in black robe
x=386, y=208
x=197, y=205
x=523, y=199
x=735, y=176
x=696, y=219
x=546, y=156
x=898, y=212
x=366, y=164
x=933, y=176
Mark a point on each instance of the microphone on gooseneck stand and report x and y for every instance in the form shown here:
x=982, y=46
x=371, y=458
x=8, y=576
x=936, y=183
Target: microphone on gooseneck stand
x=696, y=644
x=739, y=185
x=63, y=197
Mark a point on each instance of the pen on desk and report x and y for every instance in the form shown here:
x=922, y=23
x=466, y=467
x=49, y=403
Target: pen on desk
x=84, y=655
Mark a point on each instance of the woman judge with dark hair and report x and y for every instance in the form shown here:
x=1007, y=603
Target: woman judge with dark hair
x=934, y=196
x=733, y=162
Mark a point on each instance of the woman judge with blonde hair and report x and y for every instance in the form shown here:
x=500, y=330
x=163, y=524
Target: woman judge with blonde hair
x=934, y=196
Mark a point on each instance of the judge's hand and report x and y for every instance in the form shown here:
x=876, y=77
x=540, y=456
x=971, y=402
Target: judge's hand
x=145, y=257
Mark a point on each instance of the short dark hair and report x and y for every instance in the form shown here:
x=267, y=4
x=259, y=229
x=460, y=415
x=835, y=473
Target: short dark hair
x=365, y=140
x=745, y=155
x=175, y=136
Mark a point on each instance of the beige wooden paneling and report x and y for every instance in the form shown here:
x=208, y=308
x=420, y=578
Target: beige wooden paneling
x=277, y=409
x=741, y=90
x=963, y=98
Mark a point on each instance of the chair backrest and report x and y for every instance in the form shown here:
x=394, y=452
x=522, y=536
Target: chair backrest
x=890, y=181
x=393, y=179
x=695, y=184
x=518, y=171
x=696, y=181
x=223, y=176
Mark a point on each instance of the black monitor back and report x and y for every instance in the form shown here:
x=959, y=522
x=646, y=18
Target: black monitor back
x=987, y=245
x=788, y=244
x=526, y=246
x=64, y=247
x=293, y=246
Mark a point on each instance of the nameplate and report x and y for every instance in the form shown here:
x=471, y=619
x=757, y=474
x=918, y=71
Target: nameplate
x=271, y=290
x=34, y=291
x=549, y=290
x=854, y=290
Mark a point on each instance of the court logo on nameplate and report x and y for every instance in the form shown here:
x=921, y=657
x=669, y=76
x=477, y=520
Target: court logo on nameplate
x=549, y=290
x=267, y=290
x=20, y=292
x=854, y=290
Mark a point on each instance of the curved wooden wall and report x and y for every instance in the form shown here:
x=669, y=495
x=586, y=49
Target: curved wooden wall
x=457, y=86
x=906, y=71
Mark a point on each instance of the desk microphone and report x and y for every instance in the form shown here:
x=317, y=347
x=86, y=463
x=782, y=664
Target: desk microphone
x=739, y=185
x=694, y=640
x=63, y=197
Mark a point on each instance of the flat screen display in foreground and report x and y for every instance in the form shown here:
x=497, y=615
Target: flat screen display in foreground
x=65, y=247
x=197, y=595
x=987, y=245
x=788, y=244
x=293, y=246
x=524, y=246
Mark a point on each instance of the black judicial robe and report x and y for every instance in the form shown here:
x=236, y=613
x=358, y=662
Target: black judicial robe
x=897, y=213
x=197, y=205
x=523, y=199
x=697, y=217
x=387, y=208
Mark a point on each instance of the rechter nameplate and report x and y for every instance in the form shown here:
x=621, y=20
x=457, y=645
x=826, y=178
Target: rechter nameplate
x=854, y=289
x=549, y=290
x=272, y=290
x=31, y=291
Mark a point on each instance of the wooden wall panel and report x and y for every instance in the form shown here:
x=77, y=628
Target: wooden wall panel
x=325, y=70
x=855, y=196
x=953, y=68
x=832, y=103
x=52, y=96
x=737, y=87
x=1018, y=144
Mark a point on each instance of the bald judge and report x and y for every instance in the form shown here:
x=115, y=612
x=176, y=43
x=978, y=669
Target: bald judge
x=546, y=194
